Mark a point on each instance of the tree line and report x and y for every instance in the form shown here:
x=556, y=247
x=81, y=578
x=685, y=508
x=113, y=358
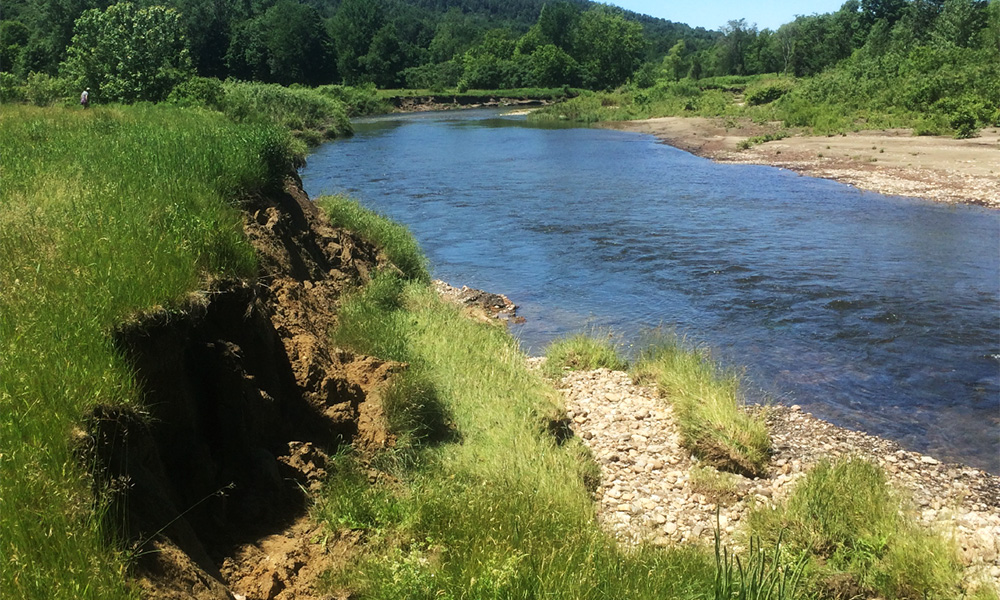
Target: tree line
x=142, y=49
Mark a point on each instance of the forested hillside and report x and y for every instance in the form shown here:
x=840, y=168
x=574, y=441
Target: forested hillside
x=891, y=56
x=391, y=43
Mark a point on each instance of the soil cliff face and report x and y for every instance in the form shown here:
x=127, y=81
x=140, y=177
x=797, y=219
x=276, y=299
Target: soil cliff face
x=244, y=396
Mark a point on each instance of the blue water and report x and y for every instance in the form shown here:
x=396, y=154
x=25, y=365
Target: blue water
x=876, y=313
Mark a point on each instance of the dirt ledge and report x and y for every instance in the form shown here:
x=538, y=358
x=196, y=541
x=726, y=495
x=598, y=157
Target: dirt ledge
x=244, y=398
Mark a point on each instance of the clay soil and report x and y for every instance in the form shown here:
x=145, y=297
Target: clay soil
x=888, y=162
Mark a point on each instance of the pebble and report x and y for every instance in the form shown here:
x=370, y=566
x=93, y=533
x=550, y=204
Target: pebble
x=645, y=496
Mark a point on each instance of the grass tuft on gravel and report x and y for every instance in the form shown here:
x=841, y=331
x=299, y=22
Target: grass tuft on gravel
x=858, y=537
x=582, y=353
x=714, y=426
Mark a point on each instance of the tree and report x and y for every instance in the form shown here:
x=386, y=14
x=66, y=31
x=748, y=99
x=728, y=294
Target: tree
x=961, y=21
x=298, y=47
x=733, y=47
x=556, y=23
x=14, y=37
x=673, y=63
x=386, y=58
x=127, y=54
x=551, y=66
x=353, y=28
x=608, y=48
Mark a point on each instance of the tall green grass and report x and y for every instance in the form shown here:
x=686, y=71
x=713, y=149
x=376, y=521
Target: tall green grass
x=582, y=352
x=297, y=108
x=852, y=530
x=392, y=238
x=500, y=508
x=706, y=401
x=104, y=213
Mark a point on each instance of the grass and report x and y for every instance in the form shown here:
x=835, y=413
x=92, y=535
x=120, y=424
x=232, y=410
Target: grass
x=392, y=238
x=713, y=425
x=581, y=353
x=299, y=109
x=852, y=530
x=104, y=213
x=500, y=508
x=718, y=486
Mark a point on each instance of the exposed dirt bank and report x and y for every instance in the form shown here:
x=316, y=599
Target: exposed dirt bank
x=889, y=162
x=244, y=398
x=650, y=491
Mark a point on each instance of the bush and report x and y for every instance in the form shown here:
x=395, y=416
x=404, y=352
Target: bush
x=768, y=91
x=42, y=90
x=207, y=92
x=11, y=89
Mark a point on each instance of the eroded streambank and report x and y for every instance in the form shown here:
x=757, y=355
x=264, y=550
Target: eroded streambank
x=247, y=397
x=244, y=398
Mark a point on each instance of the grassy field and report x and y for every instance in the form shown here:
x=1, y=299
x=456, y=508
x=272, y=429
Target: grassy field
x=104, y=213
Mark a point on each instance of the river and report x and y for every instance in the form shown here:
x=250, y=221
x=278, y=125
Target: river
x=876, y=313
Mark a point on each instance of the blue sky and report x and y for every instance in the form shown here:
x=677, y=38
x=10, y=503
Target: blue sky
x=713, y=14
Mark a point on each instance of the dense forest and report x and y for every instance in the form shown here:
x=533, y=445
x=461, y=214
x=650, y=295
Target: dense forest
x=934, y=55
x=392, y=43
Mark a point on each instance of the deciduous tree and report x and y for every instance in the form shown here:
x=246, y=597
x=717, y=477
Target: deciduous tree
x=128, y=54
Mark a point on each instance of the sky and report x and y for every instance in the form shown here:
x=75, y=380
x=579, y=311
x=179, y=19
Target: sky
x=713, y=14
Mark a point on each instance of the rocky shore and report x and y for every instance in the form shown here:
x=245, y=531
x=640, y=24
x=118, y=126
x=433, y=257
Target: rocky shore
x=653, y=491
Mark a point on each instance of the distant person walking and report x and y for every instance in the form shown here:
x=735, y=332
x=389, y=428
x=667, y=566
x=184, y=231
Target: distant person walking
x=85, y=98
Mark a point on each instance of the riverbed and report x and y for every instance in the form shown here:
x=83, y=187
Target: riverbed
x=877, y=313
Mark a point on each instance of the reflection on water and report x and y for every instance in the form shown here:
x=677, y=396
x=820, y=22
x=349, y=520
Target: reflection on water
x=877, y=313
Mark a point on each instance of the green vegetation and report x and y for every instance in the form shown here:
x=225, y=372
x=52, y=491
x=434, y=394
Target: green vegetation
x=582, y=353
x=391, y=43
x=931, y=66
x=714, y=427
x=104, y=214
x=391, y=237
x=849, y=526
x=503, y=509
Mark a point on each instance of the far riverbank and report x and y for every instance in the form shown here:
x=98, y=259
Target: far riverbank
x=892, y=162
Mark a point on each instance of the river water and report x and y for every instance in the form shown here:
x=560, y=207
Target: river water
x=877, y=313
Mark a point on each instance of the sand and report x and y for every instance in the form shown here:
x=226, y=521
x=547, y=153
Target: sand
x=888, y=162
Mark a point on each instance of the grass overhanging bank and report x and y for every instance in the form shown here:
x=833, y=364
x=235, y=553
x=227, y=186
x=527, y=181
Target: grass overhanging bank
x=104, y=214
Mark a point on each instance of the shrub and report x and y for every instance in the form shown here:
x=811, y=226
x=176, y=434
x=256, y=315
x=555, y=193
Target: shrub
x=199, y=91
x=768, y=91
x=11, y=89
x=42, y=90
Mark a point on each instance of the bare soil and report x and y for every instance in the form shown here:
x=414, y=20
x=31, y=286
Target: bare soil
x=245, y=397
x=888, y=162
